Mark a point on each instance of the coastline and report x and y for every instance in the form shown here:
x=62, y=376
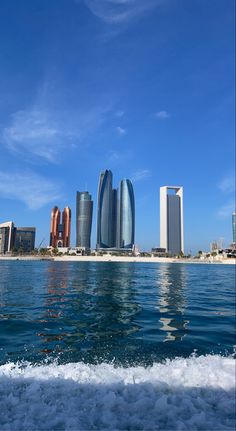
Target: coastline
x=120, y=259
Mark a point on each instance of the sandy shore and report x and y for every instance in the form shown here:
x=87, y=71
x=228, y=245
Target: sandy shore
x=107, y=258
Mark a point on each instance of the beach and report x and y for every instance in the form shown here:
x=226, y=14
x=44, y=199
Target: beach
x=124, y=259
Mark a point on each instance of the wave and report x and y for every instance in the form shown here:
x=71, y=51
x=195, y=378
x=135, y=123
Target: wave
x=196, y=393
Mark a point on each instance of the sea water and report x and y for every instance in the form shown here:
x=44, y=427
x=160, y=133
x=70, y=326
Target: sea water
x=116, y=346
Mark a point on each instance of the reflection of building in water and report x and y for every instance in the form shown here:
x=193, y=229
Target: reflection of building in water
x=57, y=283
x=53, y=333
x=172, y=283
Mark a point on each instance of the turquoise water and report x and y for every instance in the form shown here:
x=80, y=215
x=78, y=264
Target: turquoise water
x=127, y=313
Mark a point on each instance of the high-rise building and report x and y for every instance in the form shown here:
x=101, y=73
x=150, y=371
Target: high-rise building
x=60, y=232
x=66, y=223
x=84, y=214
x=126, y=215
x=114, y=217
x=104, y=211
x=171, y=219
x=234, y=227
x=54, y=230
x=24, y=239
x=116, y=213
x=6, y=237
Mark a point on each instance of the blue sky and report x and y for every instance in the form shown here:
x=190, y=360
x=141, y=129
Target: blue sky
x=144, y=88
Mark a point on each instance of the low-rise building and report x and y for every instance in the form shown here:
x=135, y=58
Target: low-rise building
x=16, y=239
x=6, y=237
x=24, y=239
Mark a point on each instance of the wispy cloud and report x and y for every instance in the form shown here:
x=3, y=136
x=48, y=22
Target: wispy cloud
x=227, y=187
x=120, y=131
x=162, y=115
x=113, y=156
x=140, y=175
x=118, y=158
x=226, y=210
x=120, y=11
x=119, y=114
x=42, y=131
x=227, y=184
x=32, y=189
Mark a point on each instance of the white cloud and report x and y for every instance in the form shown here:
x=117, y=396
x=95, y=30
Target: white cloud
x=113, y=156
x=120, y=131
x=162, y=115
x=120, y=11
x=32, y=189
x=119, y=114
x=43, y=133
x=226, y=210
x=34, y=132
x=141, y=175
x=227, y=184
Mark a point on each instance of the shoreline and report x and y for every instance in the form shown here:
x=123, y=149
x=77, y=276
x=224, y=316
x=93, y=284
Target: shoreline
x=119, y=259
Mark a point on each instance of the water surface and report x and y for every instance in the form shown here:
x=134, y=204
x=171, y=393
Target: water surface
x=128, y=313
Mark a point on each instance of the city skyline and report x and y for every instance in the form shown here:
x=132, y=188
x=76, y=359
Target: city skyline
x=148, y=92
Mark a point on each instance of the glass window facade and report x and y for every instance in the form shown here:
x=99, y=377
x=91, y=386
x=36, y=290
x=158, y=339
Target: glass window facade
x=126, y=215
x=84, y=214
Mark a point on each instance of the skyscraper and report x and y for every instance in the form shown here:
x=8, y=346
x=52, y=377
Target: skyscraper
x=66, y=223
x=234, y=227
x=104, y=211
x=84, y=214
x=114, y=217
x=126, y=215
x=60, y=232
x=54, y=229
x=171, y=219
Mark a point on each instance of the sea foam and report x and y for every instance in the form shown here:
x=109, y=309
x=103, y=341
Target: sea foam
x=196, y=393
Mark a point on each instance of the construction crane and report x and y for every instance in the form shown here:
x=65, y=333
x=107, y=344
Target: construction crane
x=39, y=247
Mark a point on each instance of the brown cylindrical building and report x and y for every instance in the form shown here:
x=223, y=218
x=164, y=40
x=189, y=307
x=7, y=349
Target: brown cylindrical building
x=66, y=222
x=54, y=229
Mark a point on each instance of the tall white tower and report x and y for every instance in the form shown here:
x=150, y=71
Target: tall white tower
x=171, y=219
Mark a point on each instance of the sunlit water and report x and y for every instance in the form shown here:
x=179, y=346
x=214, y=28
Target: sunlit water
x=93, y=338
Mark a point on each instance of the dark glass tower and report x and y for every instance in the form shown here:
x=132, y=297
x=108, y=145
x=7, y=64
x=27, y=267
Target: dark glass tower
x=84, y=214
x=126, y=215
x=114, y=218
x=104, y=214
x=234, y=227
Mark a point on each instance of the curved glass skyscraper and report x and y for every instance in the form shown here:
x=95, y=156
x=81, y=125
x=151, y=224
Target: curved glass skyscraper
x=104, y=214
x=126, y=215
x=84, y=214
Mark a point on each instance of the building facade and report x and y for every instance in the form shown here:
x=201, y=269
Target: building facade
x=16, y=239
x=171, y=219
x=60, y=231
x=24, y=239
x=126, y=215
x=6, y=237
x=54, y=228
x=84, y=215
x=234, y=227
x=66, y=226
x=104, y=211
x=116, y=214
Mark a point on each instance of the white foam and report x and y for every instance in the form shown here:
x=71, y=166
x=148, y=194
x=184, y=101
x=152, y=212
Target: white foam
x=184, y=394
